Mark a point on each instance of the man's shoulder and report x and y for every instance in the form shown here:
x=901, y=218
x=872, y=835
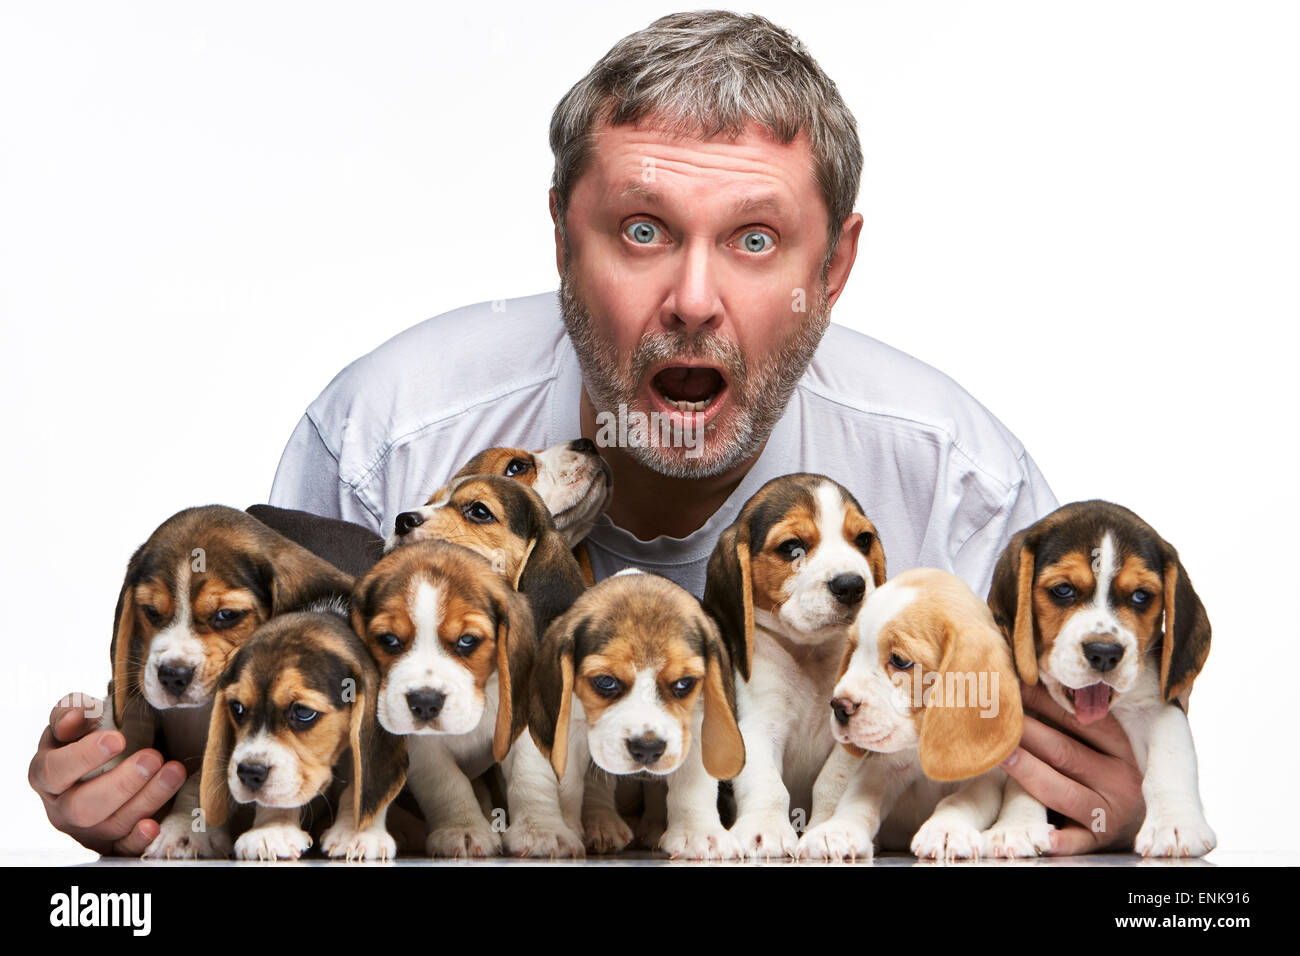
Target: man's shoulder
x=896, y=394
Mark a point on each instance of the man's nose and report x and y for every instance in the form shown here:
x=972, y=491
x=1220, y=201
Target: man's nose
x=695, y=304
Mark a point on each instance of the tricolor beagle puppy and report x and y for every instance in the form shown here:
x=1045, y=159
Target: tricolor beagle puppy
x=571, y=478
x=193, y=593
x=508, y=523
x=635, y=678
x=455, y=646
x=1099, y=607
x=294, y=711
x=785, y=584
x=927, y=685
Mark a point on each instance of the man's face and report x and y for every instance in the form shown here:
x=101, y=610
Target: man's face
x=693, y=286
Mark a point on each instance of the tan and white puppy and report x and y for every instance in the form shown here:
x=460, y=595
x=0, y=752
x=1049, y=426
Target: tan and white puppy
x=785, y=583
x=571, y=478
x=635, y=678
x=193, y=593
x=927, y=685
x=1099, y=607
x=455, y=646
x=294, y=711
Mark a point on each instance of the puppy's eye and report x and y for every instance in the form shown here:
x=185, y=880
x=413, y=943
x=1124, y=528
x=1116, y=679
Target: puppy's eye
x=388, y=642
x=1141, y=598
x=1063, y=591
x=517, y=466
x=683, y=687
x=478, y=513
x=863, y=541
x=237, y=710
x=901, y=663
x=607, y=686
x=792, y=549
x=226, y=617
x=151, y=614
x=302, y=716
x=466, y=643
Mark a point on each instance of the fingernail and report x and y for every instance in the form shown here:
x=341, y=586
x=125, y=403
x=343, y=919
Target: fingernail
x=1012, y=759
x=148, y=765
x=111, y=744
x=173, y=776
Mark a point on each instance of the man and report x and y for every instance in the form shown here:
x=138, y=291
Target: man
x=705, y=176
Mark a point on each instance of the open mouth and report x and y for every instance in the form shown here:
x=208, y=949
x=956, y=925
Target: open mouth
x=688, y=388
x=1091, y=703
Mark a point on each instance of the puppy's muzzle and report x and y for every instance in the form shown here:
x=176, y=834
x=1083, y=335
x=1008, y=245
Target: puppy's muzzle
x=646, y=749
x=584, y=446
x=252, y=775
x=843, y=709
x=407, y=522
x=175, y=679
x=1103, y=656
x=848, y=589
x=425, y=705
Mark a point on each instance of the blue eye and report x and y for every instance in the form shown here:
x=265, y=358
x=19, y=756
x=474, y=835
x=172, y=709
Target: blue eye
x=302, y=716
x=1141, y=597
x=642, y=233
x=683, y=687
x=756, y=241
x=466, y=643
x=607, y=686
x=1064, y=592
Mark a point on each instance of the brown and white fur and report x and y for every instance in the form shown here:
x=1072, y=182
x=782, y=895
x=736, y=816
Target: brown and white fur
x=294, y=713
x=785, y=582
x=193, y=593
x=928, y=687
x=635, y=680
x=1099, y=607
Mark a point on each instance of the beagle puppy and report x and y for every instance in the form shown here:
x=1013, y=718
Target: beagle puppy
x=571, y=478
x=293, y=712
x=1099, y=607
x=194, y=592
x=635, y=679
x=785, y=583
x=927, y=686
x=508, y=523
x=455, y=646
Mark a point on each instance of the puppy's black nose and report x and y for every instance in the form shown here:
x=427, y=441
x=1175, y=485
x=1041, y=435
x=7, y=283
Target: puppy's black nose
x=646, y=749
x=408, y=520
x=843, y=709
x=584, y=445
x=847, y=588
x=252, y=775
x=175, y=679
x=1103, y=655
x=425, y=704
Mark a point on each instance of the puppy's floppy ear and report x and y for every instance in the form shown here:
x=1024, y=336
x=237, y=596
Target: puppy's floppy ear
x=1186, y=640
x=876, y=558
x=516, y=647
x=729, y=595
x=961, y=737
x=722, y=746
x=549, y=575
x=126, y=651
x=350, y=547
x=1011, y=599
x=295, y=577
x=214, y=790
x=379, y=759
x=550, y=699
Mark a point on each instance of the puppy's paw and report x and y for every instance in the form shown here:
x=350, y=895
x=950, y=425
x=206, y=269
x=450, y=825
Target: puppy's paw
x=605, y=831
x=1018, y=841
x=471, y=840
x=947, y=840
x=766, y=837
x=341, y=841
x=1166, y=835
x=704, y=842
x=649, y=831
x=277, y=841
x=836, y=840
x=178, y=840
x=549, y=839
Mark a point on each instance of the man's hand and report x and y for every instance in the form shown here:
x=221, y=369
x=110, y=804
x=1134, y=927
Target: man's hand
x=1079, y=777
x=111, y=814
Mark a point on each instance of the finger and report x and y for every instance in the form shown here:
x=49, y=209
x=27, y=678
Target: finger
x=1073, y=841
x=1050, y=787
x=1106, y=735
x=75, y=716
x=55, y=768
x=91, y=803
x=1071, y=757
x=137, y=841
x=160, y=788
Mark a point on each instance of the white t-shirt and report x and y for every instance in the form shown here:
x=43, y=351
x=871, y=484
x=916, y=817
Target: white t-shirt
x=945, y=483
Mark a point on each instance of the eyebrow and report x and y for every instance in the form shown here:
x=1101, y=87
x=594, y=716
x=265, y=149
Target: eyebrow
x=745, y=206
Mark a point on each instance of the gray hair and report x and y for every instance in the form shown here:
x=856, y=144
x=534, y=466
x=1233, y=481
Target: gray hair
x=705, y=74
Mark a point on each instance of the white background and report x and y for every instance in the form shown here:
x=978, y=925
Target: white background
x=1086, y=213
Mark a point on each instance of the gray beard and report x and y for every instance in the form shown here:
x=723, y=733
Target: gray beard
x=758, y=398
